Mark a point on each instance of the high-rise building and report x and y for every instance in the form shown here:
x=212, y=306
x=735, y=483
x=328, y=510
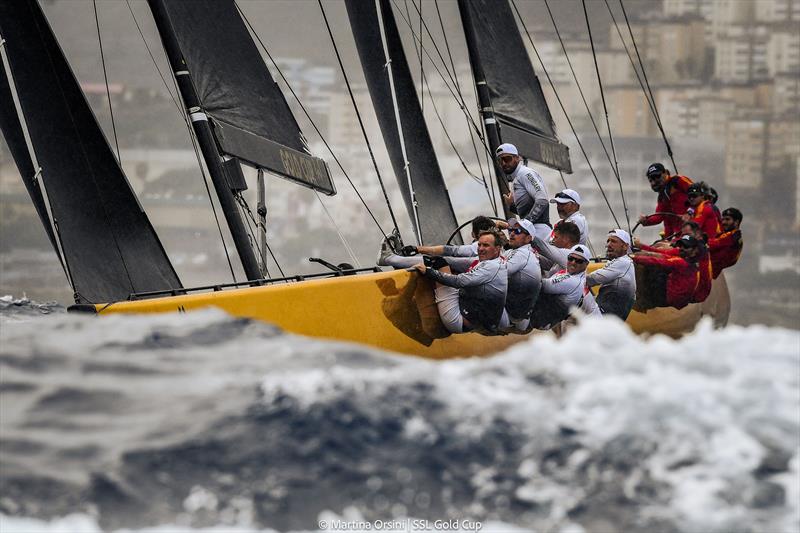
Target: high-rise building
x=745, y=151
x=741, y=53
x=777, y=10
x=786, y=94
x=783, y=48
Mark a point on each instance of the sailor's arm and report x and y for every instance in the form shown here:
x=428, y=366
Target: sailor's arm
x=560, y=284
x=479, y=275
x=602, y=276
x=553, y=253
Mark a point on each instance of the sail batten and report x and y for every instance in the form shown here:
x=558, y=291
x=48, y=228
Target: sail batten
x=107, y=240
x=515, y=92
x=407, y=140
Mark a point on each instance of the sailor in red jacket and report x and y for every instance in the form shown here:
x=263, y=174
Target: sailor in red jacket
x=726, y=247
x=683, y=275
x=672, y=198
x=703, y=257
x=701, y=210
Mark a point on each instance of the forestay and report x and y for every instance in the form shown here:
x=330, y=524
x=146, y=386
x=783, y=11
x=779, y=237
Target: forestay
x=109, y=245
x=249, y=114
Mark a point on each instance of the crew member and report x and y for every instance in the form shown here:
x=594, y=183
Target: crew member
x=482, y=296
x=672, y=198
x=726, y=247
x=528, y=197
x=553, y=252
x=562, y=291
x=682, y=271
x=568, y=204
x=524, y=276
x=617, y=279
x=703, y=258
x=713, y=197
x=409, y=255
x=701, y=210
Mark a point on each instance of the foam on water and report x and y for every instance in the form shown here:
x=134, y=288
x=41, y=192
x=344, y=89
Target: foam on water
x=205, y=421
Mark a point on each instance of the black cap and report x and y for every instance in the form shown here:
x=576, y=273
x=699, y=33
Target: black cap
x=687, y=241
x=698, y=188
x=734, y=213
x=656, y=169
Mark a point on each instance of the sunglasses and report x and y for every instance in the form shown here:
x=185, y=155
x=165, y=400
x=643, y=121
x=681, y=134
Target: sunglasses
x=506, y=158
x=518, y=231
x=578, y=260
x=565, y=197
x=692, y=195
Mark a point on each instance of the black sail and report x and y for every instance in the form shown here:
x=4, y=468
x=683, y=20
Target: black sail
x=15, y=138
x=516, y=94
x=251, y=118
x=437, y=221
x=110, y=247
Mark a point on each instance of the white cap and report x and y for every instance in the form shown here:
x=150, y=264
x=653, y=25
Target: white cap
x=621, y=234
x=566, y=196
x=506, y=148
x=581, y=250
x=526, y=224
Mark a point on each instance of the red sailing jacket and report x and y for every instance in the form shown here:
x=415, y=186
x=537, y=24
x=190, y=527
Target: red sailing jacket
x=725, y=250
x=671, y=200
x=704, y=269
x=682, y=279
x=706, y=218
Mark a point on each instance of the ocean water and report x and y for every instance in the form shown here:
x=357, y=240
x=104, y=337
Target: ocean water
x=205, y=422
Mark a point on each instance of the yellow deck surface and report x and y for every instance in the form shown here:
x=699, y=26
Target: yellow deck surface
x=390, y=310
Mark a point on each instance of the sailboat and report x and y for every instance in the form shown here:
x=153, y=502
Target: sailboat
x=111, y=253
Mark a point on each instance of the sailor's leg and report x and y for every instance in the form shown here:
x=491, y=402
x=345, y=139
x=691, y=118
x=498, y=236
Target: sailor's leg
x=448, y=306
x=505, y=322
x=398, y=261
x=521, y=324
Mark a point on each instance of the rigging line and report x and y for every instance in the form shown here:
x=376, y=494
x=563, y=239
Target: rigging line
x=182, y=113
x=345, y=243
x=360, y=120
x=308, y=116
x=455, y=150
x=650, y=104
x=153, y=59
x=461, y=95
x=424, y=85
x=449, y=88
x=566, y=115
x=244, y=209
x=395, y=105
x=580, y=90
x=608, y=121
x=647, y=82
x=105, y=77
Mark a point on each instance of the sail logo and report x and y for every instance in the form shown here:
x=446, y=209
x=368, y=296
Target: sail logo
x=304, y=168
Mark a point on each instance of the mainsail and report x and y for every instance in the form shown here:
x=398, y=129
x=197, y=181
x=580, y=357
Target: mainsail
x=404, y=130
x=110, y=247
x=516, y=95
x=249, y=114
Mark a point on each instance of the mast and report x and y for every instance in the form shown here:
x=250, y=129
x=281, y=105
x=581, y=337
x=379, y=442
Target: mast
x=206, y=140
x=484, y=100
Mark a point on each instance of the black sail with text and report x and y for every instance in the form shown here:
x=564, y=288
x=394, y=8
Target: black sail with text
x=249, y=114
x=110, y=247
x=437, y=221
x=517, y=98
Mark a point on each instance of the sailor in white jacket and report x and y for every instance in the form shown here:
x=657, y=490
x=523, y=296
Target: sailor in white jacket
x=563, y=290
x=568, y=204
x=617, y=279
x=528, y=197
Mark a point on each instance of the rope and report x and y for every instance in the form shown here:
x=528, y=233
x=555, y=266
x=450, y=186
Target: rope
x=608, y=122
x=244, y=208
x=308, y=116
x=347, y=247
x=492, y=199
x=105, y=77
x=649, y=90
x=425, y=84
x=182, y=113
x=564, y=110
x=360, y=120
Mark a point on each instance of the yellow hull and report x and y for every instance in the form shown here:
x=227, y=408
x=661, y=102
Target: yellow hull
x=390, y=310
